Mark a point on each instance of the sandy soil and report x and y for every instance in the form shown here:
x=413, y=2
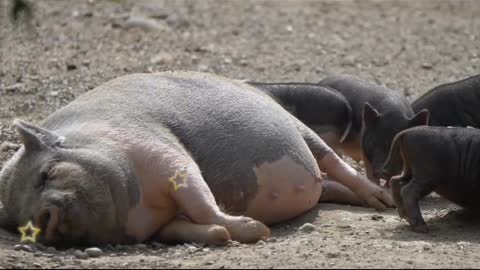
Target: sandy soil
x=409, y=46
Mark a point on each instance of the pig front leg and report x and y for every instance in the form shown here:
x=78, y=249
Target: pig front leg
x=411, y=194
x=181, y=230
x=193, y=196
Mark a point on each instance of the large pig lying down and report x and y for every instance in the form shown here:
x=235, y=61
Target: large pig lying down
x=174, y=156
x=440, y=159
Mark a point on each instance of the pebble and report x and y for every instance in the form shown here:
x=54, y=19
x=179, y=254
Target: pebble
x=307, y=228
x=27, y=248
x=272, y=240
x=210, y=263
x=80, y=255
x=162, y=59
x=71, y=66
x=157, y=245
x=427, y=66
x=17, y=247
x=37, y=265
x=143, y=23
x=377, y=217
x=94, y=252
x=261, y=243
x=14, y=87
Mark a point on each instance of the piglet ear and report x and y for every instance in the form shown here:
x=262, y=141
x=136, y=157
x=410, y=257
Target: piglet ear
x=370, y=115
x=36, y=138
x=420, y=119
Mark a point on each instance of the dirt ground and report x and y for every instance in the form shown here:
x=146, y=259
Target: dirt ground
x=409, y=46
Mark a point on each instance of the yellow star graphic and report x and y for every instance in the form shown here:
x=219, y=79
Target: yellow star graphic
x=181, y=178
x=31, y=229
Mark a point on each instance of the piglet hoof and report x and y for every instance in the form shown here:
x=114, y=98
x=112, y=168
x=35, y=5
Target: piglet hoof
x=218, y=236
x=247, y=230
x=423, y=228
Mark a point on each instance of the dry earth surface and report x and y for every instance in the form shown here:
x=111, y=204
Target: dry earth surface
x=409, y=46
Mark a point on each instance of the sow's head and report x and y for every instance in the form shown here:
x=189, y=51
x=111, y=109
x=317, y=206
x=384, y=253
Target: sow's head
x=66, y=190
x=378, y=133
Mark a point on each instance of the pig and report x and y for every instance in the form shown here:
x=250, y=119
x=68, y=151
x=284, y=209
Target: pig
x=455, y=104
x=175, y=156
x=440, y=159
x=358, y=118
x=322, y=109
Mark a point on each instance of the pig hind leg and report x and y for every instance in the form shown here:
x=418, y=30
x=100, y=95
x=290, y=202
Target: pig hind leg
x=411, y=194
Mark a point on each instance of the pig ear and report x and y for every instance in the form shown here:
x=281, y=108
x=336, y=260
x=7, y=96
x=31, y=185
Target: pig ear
x=36, y=138
x=370, y=115
x=420, y=119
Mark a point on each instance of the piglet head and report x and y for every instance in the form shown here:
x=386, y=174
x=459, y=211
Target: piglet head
x=378, y=132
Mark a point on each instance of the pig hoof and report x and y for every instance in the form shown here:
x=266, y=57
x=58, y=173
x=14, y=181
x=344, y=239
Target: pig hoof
x=218, y=236
x=246, y=230
x=420, y=228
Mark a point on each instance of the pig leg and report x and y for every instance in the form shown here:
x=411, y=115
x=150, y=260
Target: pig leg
x=181, y=230
x=337, y=193
x=330, y=163
x=410, y=194
x=397, y=183
x=198, y=202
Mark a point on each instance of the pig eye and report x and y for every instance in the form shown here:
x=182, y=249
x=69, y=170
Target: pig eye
x=44, y=177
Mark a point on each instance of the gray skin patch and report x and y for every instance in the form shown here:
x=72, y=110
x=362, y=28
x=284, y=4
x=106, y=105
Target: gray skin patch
x=453, y=104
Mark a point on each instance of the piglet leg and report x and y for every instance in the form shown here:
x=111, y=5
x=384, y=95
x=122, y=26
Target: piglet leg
x=410, y=194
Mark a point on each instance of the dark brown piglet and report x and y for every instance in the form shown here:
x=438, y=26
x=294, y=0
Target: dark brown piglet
x=440, y=159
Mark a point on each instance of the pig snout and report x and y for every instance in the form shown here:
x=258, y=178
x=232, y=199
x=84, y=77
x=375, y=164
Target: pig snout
x=48, y=220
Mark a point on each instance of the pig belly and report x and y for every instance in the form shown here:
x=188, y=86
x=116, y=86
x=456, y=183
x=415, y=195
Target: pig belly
x=285, y=190
x=465, y=198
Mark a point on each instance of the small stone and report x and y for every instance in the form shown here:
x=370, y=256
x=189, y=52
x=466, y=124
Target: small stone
x=94, y=252
x=289, y=28
x=17, y=247
x=71, y=66
x=141, y=246
x=7, y=146
x=162, y=59
x=51, y=250
x=228, y=60
x=307, y=228
x=80, y=255
x=14, y=88
x=203, y=68
x=157, y=245
x=427, y=66
x=272, y=240
x=143, y=23
x=53, y=93
x=261, y=243
x=37, y=265
x=377, y=217
x=192, y=249
x=206, y=250
x=210, y=263
x=27, y=248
